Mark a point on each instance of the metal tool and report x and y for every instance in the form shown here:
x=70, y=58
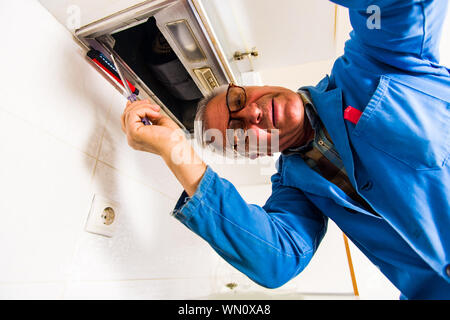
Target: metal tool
x=130, y=96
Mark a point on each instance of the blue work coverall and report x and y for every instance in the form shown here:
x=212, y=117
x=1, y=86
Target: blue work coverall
x=396, y=157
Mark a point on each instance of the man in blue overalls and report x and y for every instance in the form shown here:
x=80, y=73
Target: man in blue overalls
x=367, y=147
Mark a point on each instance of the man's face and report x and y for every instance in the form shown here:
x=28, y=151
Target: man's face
x=269, y=113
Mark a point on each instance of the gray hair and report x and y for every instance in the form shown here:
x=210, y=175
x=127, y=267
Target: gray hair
x=199, y=122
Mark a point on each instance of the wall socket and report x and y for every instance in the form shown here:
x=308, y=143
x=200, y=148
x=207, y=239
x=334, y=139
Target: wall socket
x=102, y=217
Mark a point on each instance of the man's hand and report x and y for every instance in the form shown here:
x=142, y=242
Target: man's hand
x=165, y=138
x=158, y=138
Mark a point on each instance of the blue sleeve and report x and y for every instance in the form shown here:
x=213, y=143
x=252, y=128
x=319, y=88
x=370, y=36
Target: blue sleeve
x=404, y=27
x=270, y=244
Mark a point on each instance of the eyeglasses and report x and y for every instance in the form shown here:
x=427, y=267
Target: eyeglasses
x=236, y=100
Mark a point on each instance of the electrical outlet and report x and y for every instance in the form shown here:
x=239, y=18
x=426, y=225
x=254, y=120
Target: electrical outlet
x=102, y=217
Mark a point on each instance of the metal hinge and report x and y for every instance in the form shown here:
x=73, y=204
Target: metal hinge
x=241, y=55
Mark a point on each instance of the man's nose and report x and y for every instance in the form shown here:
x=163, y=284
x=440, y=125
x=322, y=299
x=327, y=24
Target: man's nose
x=251, y=113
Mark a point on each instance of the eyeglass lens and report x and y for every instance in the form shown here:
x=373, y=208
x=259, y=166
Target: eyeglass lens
x=236, y=100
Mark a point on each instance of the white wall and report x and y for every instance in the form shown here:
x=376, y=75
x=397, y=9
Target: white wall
x=61, y=144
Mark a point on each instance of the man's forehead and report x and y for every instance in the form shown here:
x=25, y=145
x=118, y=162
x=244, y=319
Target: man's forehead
x=216, y=113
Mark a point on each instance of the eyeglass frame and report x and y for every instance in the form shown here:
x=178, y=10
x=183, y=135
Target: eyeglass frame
x=232, y=85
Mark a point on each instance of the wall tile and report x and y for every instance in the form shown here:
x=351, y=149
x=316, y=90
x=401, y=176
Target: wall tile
x=168, y=289
x=255, y=194
x=327, y=273
x=44, y=190
x=178, y=289
x=146, y=167
x=47, y=80
x=148, y=243
x=32, y=291
x=372, y=284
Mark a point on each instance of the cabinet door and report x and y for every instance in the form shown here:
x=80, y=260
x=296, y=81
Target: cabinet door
x=283, y=33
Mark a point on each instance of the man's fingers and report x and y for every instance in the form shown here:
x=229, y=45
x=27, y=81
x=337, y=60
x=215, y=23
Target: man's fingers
x=128, y=107
x=153, y=107
x=151, y=111
x=138, y=114
x=133, y=118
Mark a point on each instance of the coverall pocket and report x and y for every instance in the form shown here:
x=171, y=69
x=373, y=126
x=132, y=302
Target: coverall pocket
x=408, y=124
